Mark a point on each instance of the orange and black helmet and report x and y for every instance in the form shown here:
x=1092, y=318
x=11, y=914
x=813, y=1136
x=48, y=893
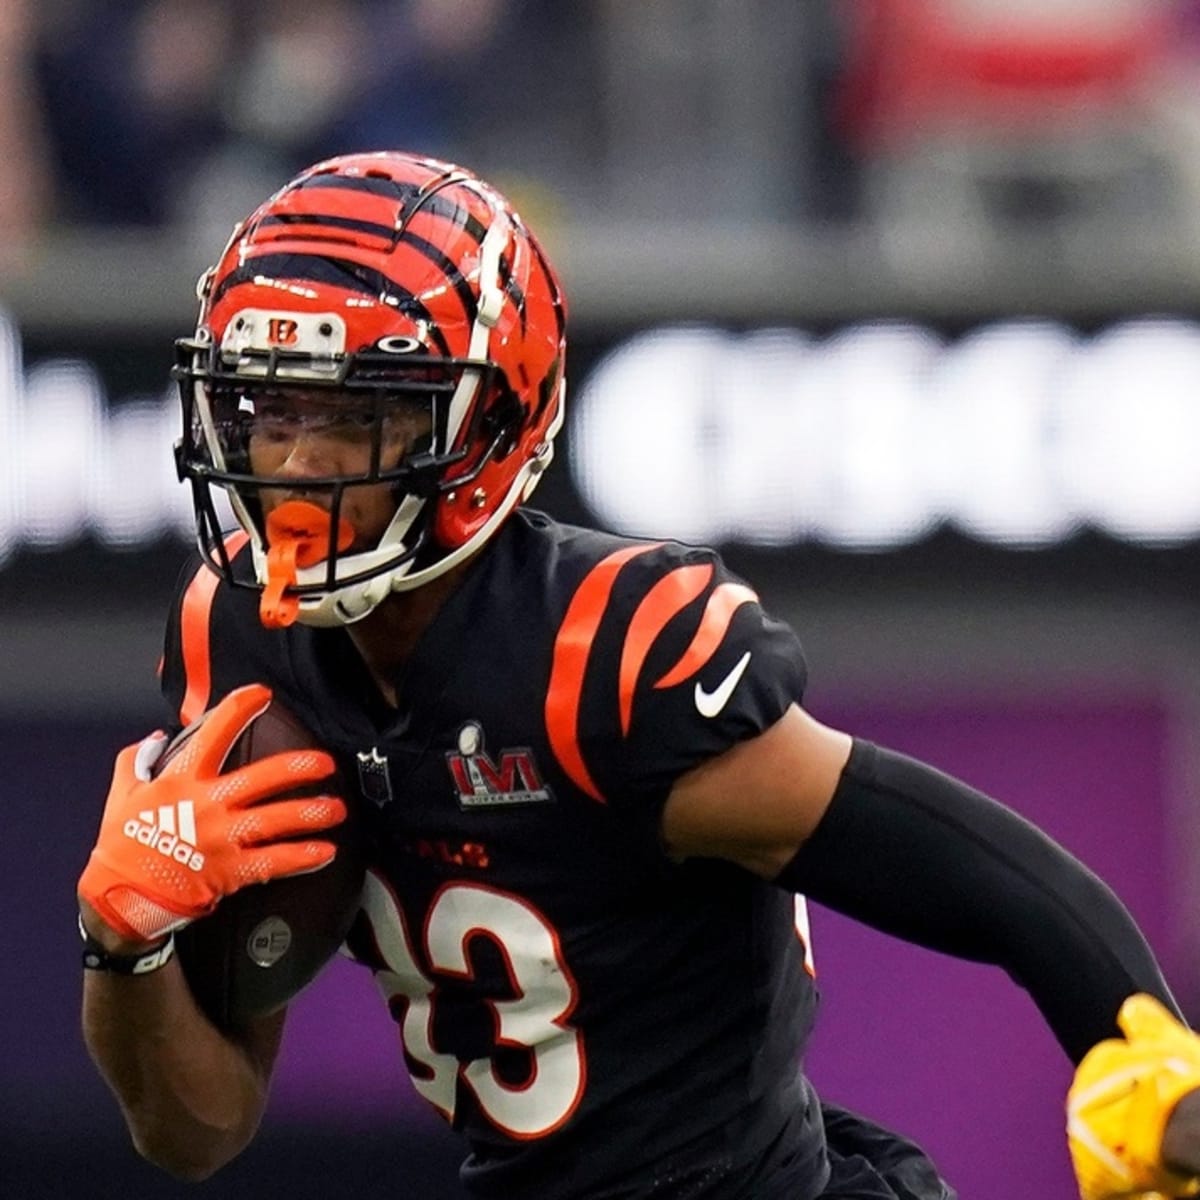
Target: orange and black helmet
x=379, y=278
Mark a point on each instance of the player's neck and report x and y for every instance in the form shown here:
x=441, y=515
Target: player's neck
x=387, y=636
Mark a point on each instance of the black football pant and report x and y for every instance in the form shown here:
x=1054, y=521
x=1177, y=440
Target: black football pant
x=869, y=1162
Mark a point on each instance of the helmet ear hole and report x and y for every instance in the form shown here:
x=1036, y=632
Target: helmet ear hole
x=502, y=423
x=548, y=388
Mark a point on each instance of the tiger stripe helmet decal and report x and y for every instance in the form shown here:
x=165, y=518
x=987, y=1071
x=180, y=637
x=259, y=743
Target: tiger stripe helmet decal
x=380, y=275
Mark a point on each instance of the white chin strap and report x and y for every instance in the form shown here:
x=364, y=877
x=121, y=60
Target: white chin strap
x=351, y=602
x=346, y=605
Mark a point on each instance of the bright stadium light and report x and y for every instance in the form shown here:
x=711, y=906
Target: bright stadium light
x=994, y=413
x=73, y=466
x=10, y=437
x=1018, y=434
x=61, y=438
x=1131, y=431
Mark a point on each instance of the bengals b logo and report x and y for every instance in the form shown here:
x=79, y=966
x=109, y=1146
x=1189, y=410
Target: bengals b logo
x=282, y=331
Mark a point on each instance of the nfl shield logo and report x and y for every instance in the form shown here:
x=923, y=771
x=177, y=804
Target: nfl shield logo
x=373, y=779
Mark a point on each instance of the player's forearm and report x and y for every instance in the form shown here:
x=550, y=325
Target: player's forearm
x=929, y=859
x=191, y=1097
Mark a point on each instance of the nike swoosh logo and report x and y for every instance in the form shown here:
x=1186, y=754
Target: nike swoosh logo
x=708, y=704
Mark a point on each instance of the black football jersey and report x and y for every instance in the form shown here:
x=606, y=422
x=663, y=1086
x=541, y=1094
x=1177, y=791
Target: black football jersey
x=597, y=1019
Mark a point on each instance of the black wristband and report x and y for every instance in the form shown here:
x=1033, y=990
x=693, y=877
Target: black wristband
x=97, y=958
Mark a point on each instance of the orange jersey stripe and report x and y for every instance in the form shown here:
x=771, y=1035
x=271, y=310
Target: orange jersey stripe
x=664, y=600
x=722, y=604
x=194, y=634
x=571, y=649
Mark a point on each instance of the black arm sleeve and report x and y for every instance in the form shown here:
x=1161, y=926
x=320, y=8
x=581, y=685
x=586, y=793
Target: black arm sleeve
x=917, y=854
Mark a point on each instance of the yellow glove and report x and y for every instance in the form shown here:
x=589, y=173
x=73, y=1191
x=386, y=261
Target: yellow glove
x=1119, y=1102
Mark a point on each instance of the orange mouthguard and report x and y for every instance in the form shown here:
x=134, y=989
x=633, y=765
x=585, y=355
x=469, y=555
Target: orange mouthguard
x=298, y=535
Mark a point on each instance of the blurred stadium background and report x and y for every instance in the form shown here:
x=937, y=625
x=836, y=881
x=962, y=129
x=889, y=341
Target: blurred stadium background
x=895, y=300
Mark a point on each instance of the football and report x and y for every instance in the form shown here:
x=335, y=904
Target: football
x=267, y=941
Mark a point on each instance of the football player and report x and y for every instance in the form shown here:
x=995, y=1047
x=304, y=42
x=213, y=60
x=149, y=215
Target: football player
x=591, y=792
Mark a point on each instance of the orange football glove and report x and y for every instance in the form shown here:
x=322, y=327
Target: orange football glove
x=170, y=847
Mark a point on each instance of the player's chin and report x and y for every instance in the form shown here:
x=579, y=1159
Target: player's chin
x=360, y=545
x=364, y=538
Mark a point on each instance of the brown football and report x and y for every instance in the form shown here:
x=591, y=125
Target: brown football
x=266, y=942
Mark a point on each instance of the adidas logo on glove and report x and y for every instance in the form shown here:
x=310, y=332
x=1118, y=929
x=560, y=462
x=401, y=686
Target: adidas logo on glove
x=172, y=834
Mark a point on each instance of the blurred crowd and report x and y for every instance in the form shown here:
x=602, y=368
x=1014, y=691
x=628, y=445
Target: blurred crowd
x=182, y=113
x=156, y=112
x=153, y=113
